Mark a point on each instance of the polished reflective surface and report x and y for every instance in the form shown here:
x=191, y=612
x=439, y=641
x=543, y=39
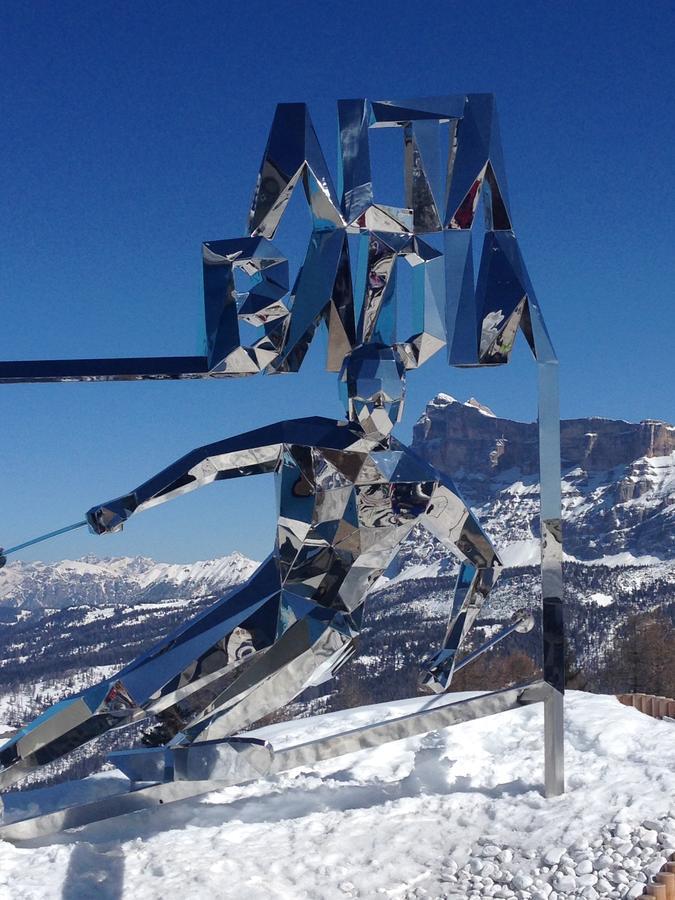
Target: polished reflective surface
x=233, y=761
x=452, y=170
x=348, y=493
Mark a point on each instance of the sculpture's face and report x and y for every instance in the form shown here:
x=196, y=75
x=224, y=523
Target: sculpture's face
x=372, y=387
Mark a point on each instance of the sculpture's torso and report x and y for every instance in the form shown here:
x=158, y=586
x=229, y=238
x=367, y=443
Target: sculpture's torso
x=343, y=512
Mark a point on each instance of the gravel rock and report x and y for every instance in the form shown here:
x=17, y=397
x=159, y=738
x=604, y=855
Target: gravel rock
x=590, y=893
x=624, y=849
x=633, y=892
x=554, y=854
x=653, y=867
x=566, y=884
x=603, y=887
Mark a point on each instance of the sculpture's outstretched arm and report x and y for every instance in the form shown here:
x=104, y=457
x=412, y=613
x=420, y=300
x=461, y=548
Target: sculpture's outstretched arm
x=252, y=453
x=77, y=720
x=449, y=519
x=453, y=523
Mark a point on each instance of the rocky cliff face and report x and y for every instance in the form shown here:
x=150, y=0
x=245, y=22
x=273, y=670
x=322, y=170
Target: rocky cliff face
x=469, y=436
x=618, y=477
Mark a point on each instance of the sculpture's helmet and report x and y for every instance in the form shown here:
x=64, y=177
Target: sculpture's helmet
x=372, y=387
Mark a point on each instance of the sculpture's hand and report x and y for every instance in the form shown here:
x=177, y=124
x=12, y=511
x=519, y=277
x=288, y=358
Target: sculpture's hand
x=103, y=520
x=438, y=671
x=110, y=517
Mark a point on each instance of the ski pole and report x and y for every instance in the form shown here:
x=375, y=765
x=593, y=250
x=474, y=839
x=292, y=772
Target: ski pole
x=37, y=540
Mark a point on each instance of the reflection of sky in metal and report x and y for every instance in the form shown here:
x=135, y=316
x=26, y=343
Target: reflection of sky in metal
x=134, y=167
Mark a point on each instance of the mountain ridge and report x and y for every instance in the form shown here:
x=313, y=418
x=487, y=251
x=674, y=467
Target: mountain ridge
x=618, y=478
x=618, y=509
x=116, y=580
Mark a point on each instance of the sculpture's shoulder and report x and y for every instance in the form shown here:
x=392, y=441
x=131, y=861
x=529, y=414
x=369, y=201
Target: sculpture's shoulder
x=321, y=432
x=410, y=466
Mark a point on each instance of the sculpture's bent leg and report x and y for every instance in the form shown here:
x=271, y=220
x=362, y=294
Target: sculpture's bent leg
x=473, y=586
x=180, y=674
x=65, y=726
x=310, y=651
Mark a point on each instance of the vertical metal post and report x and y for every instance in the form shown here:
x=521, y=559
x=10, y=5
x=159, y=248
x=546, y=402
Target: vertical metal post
x=551, y=575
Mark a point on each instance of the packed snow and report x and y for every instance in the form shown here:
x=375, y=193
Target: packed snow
x=521, y=553
x=442, y=400
x=484, y=410
x=601, y=599
x=454, y=814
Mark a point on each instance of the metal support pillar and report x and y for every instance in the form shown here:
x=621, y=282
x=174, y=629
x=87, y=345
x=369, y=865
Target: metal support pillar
x=553, y=650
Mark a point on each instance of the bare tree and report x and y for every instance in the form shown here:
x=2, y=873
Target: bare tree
x=642, y=659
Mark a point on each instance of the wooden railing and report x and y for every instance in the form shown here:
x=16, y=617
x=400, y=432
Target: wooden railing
x=658, y=707
x=663, y=884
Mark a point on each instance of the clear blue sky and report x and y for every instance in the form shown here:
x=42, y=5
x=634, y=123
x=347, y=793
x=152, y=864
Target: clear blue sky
x=132, y=131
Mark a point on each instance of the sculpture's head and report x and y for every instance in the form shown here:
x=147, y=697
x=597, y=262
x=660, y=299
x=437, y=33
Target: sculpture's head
x=372, y=387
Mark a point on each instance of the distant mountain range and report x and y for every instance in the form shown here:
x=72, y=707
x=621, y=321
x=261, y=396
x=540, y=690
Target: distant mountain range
x=82, y=619
x=109, y=582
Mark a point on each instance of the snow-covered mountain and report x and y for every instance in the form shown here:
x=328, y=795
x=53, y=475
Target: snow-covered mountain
x=108, y=582
x=618, y=479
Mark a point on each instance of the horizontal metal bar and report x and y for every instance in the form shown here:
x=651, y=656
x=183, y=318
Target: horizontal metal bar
x=108, y=807
x=121, y=369
x=517, y=625
x=432, y=716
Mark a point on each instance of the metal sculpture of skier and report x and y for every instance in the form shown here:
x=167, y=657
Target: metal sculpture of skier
x=349, y=492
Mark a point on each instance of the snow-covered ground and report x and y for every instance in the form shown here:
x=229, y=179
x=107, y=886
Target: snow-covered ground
x=454, y=814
